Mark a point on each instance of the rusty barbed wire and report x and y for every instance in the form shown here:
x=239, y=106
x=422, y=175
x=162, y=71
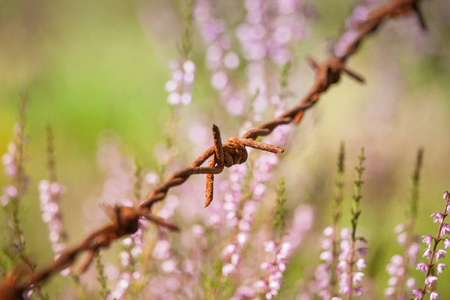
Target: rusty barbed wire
x=125, y=220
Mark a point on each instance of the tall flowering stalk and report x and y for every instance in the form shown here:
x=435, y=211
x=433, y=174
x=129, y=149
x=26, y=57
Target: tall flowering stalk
x=350, y=280
x=326, y=274
x=221, y=60
x=278, y=250
x=281, y=251
x=433, y=268
x=101, y=277
x=359, y=15
x=247, y=186
x=13, y=162
x=50, y=192
x=179, y=87
x=131, y=254
x=398, y=268
x=13, y=194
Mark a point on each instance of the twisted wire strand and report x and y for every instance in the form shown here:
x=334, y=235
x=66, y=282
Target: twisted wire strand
x=124, y=220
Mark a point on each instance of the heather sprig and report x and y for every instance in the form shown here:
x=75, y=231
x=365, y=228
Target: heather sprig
x=356, y=210
x=13, y=194
x=327, y=272
x=338, y=188
x=433, y=268
x=183, y=69
x=101, y=277
x=13, y=162
x=132, y=249
x=137, y=190
x=350, y=280
x=50, y=195
x=278, y=252
x=359, y=15
x=280, y=213
x=398, y=268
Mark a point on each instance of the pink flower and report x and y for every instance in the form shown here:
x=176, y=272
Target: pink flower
x=269, y=246
x=399, y=228
x=445, y=229
x=431, y=280
x=423, y=267
x=389, y=292
x=445, y=195
x=361, y=264
x=416, y=293
x=434, y=295
x=437, y=217
x=427, y=239
x=427, y=253
x=260, y=285
x=446, y=243
x=440, y=268
x=440, y=254
x=410, y=283
x=358, y=277
x=228, y=269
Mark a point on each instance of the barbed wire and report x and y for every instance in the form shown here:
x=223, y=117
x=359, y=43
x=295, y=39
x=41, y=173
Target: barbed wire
x=125, y=220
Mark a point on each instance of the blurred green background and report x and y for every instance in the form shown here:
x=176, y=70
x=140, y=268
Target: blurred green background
x=89, y=66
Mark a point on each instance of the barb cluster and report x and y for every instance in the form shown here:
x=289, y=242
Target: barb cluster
x=124, y=220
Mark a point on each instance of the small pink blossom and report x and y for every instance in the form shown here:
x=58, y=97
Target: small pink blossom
x=389, y=292
x=361, y=264
x=440, y=268
x=228, y=269
x=440, y=254
x=437, y=217
x=401, y=239
x=358, y=277
x=446, y=243
x=427, y=253
x=410, y=283
x=423, y=267
x=269, y=246
x=431, y=280
x=445, y=229
x=434, y=295
x=399, y=228
x=427, y=239
x=417, y=294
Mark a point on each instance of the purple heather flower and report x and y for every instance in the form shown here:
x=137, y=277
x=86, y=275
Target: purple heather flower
x=358, y=277
x=389, y=292
x=427, y=253
x=168, y=266
x=361, y=264
x=410, y=283
x=180, y=85
x=50, y=197
x=228, y=269
x=446, y=243
x=440, y=268
x=423, y=267
x=440, y=254
x=431, y=280
x=427, y=239
x=399, y=228
x=401, y=239
x=445, y=195
x=417, y=294
x=445, y=229
x=437, y=217
x=434, y=295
